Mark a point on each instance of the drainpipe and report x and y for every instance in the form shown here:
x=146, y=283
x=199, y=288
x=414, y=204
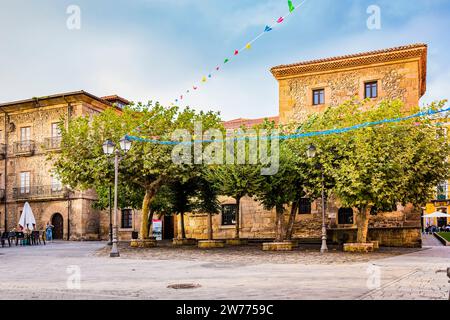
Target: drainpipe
x=69, y=192
x=6, y=168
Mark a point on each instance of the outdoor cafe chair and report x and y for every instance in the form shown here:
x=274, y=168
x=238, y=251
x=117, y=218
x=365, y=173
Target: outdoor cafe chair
x=4, y=238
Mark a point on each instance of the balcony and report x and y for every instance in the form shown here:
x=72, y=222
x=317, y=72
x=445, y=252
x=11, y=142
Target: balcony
x=24, y=148
x=52, y=143
x=2, y=151
x=39, y=192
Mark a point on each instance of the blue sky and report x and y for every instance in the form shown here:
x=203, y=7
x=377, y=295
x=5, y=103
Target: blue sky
x=156, y=49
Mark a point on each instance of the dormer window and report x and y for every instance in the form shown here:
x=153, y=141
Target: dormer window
x=318, y=97
x=371, y=90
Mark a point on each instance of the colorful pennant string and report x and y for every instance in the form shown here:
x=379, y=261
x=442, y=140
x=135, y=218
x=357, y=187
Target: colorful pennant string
x=248, y=46
x=299, y=135
x=291, y=6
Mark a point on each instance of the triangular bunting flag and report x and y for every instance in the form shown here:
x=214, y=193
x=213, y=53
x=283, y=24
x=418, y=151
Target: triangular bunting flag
x=209, y=76
x=226, y=60
x=218, y=68
x=195, y=88
x=204, y=79
x=248, y=46
x=267, y=29
x=280, y=20
x=236, y=52
x=291, y=6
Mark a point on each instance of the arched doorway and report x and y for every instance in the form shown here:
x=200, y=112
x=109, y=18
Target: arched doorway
x=58, y=230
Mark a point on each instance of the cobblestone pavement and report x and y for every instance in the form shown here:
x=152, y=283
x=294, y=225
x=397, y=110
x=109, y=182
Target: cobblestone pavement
x=51, y=272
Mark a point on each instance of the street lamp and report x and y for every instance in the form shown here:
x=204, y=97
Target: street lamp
x=109, y=148
x=311, y=152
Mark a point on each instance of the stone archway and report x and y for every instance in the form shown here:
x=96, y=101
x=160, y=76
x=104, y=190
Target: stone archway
x=58, y=222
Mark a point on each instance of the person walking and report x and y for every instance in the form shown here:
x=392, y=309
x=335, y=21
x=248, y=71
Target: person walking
x=49, y=232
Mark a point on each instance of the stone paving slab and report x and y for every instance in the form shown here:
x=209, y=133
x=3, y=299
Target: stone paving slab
x=42, y=273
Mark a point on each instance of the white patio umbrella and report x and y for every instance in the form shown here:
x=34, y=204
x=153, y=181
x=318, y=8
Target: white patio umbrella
x=27, y=220
x=437, y=214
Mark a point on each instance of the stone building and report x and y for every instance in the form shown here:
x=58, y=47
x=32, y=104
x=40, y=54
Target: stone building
x=28, y=133
x=310, y=87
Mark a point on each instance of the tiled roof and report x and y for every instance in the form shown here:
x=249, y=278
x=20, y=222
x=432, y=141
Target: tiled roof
x=355, y=60
x=248, y=123
x=114, y=98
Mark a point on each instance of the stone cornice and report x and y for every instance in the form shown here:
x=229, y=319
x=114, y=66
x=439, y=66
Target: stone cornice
x=415, y=51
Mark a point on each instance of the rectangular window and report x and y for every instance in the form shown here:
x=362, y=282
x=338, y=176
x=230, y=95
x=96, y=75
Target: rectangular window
x=25, y=182
x=229, y=214
x=127, y=218
x=371, y=90
x=25, y=134
x=442, y=191
x=318, y=97
x=345, y=216
x=305, y=206
x=56, y=183
x=56, y=132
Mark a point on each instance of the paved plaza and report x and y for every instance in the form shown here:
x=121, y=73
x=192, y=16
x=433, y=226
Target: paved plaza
x=82, y=270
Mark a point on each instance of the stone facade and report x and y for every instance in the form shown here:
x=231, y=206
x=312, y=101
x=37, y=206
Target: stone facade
x=399, y=72
x=28, y=136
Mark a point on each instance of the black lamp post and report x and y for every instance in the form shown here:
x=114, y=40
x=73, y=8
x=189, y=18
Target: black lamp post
x=311, y=153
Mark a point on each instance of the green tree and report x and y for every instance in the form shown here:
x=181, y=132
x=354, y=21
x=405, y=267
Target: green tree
x=149, y=166
x=206, y=200
x=381, y=165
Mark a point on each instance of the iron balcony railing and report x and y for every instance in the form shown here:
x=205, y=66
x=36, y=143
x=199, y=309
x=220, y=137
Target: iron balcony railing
x=24, y=147
x=52, y=143
x=39, y=192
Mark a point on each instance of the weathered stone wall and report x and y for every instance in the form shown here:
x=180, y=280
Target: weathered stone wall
x=258, y=223
x=84, y=220
x=396, y=81
x=387, y=237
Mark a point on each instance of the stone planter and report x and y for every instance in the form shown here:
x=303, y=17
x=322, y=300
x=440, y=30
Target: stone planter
x=294, y=243
x=359, y=247
x=376, y=245
x=184, y=242
x=146, y=243
x=236, y=242
x=277, y=246
x=211, y=244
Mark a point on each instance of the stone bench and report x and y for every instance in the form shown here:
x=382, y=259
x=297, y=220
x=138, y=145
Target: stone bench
x=359, y=247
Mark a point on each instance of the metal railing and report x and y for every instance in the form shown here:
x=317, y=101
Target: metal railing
x=39, y=192
x=24, y=147
x=52, y=143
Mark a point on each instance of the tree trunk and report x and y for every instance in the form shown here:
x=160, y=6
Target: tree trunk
x=145, y=224
x=182, y=227
x=280, y=224
x=238, y=204
x=150, y=223
x=292, y=216
x=362, y=222
x=210, y=228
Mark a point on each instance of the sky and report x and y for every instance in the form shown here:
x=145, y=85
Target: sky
x=157, y=49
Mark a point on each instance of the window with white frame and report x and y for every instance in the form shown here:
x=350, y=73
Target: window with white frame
x=442, y=190
x=25, y=134
x=56, y=183
x=56, y=132
x=25, y=182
